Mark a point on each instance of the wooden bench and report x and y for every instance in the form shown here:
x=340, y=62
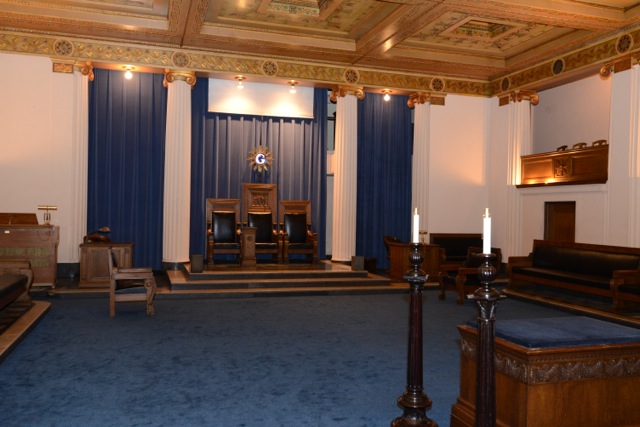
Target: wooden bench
x=606, y=271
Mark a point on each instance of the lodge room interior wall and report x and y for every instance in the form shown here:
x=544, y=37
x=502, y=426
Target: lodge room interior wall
x=36, y=165
x=458, y=191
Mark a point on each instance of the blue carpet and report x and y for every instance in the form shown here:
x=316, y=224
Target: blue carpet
x=257, y=362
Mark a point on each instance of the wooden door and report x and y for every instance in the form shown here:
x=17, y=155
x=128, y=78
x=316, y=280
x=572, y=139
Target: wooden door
x=560, y=221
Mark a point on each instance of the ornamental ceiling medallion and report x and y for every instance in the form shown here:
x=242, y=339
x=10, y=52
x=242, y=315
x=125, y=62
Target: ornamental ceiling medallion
x=260, y=159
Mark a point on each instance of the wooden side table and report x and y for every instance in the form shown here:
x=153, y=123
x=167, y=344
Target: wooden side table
x=94, y=262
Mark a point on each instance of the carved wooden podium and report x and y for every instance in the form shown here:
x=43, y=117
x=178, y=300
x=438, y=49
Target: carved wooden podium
x=22, y=238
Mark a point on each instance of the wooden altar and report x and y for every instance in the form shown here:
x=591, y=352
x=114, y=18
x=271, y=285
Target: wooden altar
x=590, y=385
x=36, y=243
x=399, y=260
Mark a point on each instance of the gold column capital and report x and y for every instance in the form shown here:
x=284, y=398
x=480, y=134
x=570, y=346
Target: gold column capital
x=525, y=95
x=172, y=75
x=423, y=98
x=85, y=68
x=342, y=91
x=617, y=66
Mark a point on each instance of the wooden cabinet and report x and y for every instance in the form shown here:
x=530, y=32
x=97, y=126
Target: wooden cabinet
x=36, y=243
x=94, y=262
x=399, y=260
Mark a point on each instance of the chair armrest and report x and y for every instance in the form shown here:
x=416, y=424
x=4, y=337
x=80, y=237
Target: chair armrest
x=622, y=277
x=518, y=261
x=625, y=277
x=467, y=270
x=450, y=267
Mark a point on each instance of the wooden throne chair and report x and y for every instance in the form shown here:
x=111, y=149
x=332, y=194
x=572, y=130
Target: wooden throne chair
x=295, y=228
x=464, y=278
x=130, y=284
x=223, y=231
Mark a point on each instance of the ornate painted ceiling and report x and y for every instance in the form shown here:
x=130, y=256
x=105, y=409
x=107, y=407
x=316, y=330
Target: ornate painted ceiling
x=477, y=47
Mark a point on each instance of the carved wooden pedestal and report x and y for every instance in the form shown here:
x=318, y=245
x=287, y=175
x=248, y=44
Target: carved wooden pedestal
x=587, y=386
x=248, y=247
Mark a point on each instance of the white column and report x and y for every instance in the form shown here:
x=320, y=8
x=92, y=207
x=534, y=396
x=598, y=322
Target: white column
x=177, y=169
x=420, y=160
x=520, y=144
x=346, y=172
x=83, y=73
x=621, y=227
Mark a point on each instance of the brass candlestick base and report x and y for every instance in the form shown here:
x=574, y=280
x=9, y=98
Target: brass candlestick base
x=414, y=401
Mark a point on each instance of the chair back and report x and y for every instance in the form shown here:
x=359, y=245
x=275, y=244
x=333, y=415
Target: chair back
x=263, y=223
x=223, y=225
x=295, y=225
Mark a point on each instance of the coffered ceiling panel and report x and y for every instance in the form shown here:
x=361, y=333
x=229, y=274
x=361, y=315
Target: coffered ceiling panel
x=474, y=39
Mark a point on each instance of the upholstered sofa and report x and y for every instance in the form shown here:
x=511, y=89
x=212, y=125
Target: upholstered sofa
x=606, y=271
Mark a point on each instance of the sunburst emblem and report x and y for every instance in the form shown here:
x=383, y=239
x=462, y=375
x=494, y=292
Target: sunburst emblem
x=260, y=159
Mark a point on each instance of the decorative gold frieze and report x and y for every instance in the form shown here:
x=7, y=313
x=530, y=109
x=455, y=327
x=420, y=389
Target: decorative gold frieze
x=342, y=91
x=186, y=76
x=211, y=63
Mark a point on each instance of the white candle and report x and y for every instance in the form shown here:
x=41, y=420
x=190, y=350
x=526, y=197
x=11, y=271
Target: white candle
x=416, y=226
x=486, y=232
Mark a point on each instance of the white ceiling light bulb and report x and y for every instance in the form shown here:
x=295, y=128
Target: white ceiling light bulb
x=293, y=86
x=386, y=96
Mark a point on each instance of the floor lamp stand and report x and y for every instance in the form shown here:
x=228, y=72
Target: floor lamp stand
x=414, y=401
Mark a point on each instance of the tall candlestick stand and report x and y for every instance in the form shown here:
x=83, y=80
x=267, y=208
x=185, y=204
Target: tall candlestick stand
x=414, y=401
x=487, y=299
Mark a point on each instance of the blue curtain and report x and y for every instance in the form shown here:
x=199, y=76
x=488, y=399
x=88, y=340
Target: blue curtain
x=127, y=121
x=385, y=144
x=219, y=166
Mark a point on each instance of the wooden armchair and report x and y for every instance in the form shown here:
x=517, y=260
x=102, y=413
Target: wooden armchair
x=130, y=284
x=295, y=228
x=464, y=278
x=223, y=232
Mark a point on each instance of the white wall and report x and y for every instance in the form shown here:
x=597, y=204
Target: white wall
x=459, y=140
x=36, y=118
x=572, y=113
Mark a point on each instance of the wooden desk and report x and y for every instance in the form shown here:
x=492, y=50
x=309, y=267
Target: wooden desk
x=587, y=386
x=94, y=262
x=36, y=243
x=399, y=260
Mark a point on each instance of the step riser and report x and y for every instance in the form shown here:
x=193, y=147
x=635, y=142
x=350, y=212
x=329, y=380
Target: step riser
x=272, y=284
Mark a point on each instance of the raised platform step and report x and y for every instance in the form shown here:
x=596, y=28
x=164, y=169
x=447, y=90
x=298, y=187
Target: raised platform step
x=323, y=275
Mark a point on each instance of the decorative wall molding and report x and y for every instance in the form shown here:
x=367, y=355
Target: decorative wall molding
x=562, y=368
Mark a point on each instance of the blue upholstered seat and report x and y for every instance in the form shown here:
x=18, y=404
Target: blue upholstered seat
x=564, y=332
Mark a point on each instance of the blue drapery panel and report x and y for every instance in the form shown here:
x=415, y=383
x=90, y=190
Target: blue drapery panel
x=221, y=145
x=385, y=144
x=127, y=124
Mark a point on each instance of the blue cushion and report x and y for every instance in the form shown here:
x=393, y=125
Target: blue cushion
x=564, y=332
